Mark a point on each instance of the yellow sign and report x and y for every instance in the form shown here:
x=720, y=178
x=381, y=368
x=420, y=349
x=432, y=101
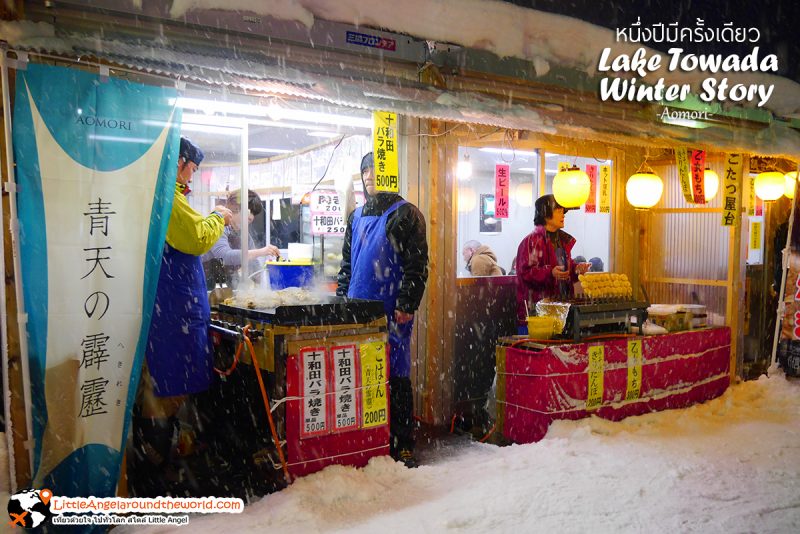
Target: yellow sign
x=751, y=197
x=731, y=189
x=385, y=151
x=684, y=173
x=605, y=189
x=374, y=404
x=594, y=393
x=634, y=369
x=564, y=166
x=755, y=235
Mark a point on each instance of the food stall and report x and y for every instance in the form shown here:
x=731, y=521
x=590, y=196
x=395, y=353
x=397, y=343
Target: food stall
x=506, y=111
x=321, y=367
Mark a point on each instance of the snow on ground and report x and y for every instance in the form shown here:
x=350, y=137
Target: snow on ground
x=730, y=465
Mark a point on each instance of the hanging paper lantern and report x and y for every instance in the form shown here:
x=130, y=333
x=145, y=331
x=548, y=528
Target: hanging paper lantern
x=524, y=194
x=788, y=185
x=644, y=190
x=571, y=187
x=770, y=185
x=464, y=170
x=710, y=184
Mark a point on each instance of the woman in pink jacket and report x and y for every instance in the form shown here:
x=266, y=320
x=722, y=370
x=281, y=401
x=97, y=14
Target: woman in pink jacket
x=544, y=264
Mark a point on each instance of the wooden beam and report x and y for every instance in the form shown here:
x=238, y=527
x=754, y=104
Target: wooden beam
x=689, y=281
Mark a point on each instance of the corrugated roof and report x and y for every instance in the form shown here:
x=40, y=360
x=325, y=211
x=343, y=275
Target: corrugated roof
x=530, y=107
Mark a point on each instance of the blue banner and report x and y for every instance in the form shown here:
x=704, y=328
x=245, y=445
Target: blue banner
x=96, y=163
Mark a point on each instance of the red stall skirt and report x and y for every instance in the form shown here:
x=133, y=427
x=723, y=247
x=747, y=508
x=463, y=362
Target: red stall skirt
x=677, y=370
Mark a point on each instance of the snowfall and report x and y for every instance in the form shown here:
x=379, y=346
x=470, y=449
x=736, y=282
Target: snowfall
x=729, y=465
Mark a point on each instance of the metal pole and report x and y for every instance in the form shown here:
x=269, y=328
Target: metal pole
x=22, y=317
x=244, y=198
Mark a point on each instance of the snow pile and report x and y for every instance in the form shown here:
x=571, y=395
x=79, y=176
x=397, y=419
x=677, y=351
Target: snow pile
x=730, y=465
x=499, y=27
x=14, y=32
x=544, y=39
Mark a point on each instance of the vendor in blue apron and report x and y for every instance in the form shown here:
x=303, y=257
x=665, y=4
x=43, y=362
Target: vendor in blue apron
x=178, y=352
x=385, y=257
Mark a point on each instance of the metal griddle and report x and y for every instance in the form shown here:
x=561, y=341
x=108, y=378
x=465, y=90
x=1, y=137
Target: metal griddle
x=331, y=311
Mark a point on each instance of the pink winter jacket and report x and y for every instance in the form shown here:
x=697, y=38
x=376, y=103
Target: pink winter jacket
x=536, y=258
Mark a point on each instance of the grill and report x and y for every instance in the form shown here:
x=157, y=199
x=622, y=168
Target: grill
x=588, y=317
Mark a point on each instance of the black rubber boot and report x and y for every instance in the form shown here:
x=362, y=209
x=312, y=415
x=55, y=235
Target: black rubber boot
x=401, y=422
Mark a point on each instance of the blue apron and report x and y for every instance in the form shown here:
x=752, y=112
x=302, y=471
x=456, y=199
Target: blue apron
x=376, y=272
x=178, y=347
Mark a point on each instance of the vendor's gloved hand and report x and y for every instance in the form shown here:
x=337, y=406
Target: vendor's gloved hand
x=559, y=273
x=402, y=317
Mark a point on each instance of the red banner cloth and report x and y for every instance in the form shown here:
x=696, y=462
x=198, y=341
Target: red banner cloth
x=678, y=370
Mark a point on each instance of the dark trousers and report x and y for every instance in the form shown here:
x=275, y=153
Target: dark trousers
x=401, y=423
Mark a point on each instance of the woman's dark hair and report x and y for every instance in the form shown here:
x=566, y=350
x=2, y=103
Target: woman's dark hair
x=544, y=209
x=253, y=202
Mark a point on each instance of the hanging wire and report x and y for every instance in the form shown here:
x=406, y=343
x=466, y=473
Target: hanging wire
x=507, y=141
x=436, y=135
x=329, y=164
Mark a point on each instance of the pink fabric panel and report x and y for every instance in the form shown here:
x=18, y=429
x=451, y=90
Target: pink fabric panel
x=678, y=370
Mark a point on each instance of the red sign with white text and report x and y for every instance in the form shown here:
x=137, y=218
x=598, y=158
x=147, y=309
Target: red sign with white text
x=698, y=166
x=502, y=176
x=591, y=202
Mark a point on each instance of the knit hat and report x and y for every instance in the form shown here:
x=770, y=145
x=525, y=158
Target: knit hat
x=191, y=152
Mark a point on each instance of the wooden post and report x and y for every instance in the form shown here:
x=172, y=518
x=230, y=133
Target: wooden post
x=736, y=275
x=21, y=467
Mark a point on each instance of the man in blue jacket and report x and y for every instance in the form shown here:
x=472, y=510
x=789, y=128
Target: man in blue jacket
x=385, y=257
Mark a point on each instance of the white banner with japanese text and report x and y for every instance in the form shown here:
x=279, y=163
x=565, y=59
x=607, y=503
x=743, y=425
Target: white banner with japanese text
x=96, y=160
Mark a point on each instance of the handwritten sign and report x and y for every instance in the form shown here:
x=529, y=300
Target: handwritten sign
x=373, y=384
x=605, y=189
x=327, y=213
x=594, y=394
x=755, y=235
x=501, y=179
x=633, y=391
x=684, y=173
x=732, y=185
x=345, y=375
x=591, y=202
x=385, y=151
x=698, y=165
x=315, y=371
